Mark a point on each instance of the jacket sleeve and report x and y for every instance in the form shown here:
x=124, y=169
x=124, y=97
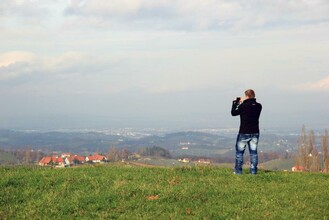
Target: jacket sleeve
x=236, y=110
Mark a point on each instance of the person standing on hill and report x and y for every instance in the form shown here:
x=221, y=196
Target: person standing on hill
x=249, y=111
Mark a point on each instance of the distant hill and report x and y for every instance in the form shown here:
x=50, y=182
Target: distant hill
x=179, y=144
x=79, y=142
x=75, y=142
x=173, y=141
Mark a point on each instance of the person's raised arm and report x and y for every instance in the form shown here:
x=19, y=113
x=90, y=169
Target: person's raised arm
x=235, y=108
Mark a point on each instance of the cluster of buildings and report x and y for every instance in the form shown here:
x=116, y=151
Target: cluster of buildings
x=200, y=161
x=66, y=160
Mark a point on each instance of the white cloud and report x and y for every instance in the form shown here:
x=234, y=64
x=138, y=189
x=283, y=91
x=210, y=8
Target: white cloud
x=13, y=71
x=198, y=15
x=163, y=14
x=15, y=64
x=70, y=72
x=14, y=57
x=29, y=14
x=320, y=85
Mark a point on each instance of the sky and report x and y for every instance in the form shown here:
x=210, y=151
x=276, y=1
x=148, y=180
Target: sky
x=164, y=63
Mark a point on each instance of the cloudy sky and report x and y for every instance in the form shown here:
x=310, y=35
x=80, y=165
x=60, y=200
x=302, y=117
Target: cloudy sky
x=163, y=63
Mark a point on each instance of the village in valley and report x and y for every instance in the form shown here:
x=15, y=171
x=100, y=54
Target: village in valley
x=66, y=160
x=69, y=160
x=68, y=149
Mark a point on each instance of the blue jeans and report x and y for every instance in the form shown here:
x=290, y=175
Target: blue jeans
x=242, y=141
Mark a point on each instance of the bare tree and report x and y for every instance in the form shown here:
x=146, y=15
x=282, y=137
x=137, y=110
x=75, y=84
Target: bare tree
x=312, y=154
x=315, y=161
x=298, y=159
x=302, y=153
x=125, y=154
x=308, y=155
x=27, y=156
x=113, y=154
x=37, y=156
x=325, y=152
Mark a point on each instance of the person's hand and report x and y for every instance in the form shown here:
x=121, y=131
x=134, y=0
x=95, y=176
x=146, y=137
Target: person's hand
x=237, y=102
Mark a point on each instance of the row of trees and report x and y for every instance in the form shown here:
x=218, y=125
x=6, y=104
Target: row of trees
x=29, y=156
x=115, y=154
x=308, y=158
x=20, y=156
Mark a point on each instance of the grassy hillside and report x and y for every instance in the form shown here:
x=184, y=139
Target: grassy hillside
x=127, y=192
x=279, y=164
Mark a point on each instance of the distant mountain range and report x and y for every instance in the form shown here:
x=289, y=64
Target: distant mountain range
x=188, y=143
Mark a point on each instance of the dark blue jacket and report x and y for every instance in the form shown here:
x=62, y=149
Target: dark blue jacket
x=249, y=111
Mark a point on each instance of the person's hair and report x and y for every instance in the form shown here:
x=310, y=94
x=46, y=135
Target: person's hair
x=250, y=93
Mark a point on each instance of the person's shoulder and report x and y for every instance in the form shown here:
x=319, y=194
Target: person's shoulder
x=259, y=105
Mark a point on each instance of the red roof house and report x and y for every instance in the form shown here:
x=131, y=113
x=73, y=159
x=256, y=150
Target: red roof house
x=57, y=160
x=45, y=161
x=76, y=159
x=297, y=169
x=53, y=160
x=96, y=158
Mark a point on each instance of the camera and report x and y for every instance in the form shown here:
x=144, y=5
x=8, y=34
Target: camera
x=237, y=100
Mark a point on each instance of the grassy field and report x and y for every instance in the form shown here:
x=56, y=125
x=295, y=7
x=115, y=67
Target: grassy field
x=279, y=164
x=130, y=192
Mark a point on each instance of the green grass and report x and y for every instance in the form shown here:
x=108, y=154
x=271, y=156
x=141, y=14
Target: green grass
x=279, y=164
x=124, y=192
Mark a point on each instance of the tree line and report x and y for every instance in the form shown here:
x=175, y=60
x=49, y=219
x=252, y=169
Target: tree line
x=20, y=156
x=115, y=154
x=308, y=157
